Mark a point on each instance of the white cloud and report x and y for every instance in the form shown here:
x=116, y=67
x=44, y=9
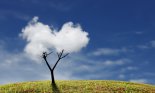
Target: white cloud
x=121, y=76
x=153, y=43
x=41, y=37
x=9, y=59
x=116, y=62
x=149, y=45
x=143, y=46
x=138, y=80
x=5, y=14
x=108, y=51
x=139, y=33
x=131, y=68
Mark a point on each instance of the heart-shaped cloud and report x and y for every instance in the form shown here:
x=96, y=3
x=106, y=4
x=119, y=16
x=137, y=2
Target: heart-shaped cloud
x=41, y=37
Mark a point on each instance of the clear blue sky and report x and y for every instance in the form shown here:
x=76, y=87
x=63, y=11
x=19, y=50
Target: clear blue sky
x=121, y=47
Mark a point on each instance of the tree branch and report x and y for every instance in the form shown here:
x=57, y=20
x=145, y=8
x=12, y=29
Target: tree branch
x=44, y=55
x=56, y=64
x=58, y=55
x=61, y=53
x=49, y=53
x=48, y=64
x=59, y=58
x=65, y=55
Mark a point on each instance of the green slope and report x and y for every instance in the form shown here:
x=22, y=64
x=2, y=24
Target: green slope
x=78, y=86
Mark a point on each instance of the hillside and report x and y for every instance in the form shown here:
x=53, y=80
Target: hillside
x=78, y=86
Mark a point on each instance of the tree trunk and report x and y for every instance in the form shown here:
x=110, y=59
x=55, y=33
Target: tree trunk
x=52, y=77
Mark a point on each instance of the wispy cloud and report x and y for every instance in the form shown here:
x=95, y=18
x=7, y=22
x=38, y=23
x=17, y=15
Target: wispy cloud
x=116, y=62
x=139, y=32
x=108, y=51
x=129, y=68
x=130, y=33
x=57, y=5
x=5, y=14
x=148, y=45
x=139, y=80
x=153, y=43
x=143, y=46
x=121, y=76
x=97, y=69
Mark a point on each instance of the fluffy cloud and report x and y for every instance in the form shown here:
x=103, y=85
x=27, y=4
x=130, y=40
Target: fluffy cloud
x=41, y=37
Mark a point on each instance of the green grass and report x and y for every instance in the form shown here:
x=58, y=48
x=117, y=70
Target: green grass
x=78, y=86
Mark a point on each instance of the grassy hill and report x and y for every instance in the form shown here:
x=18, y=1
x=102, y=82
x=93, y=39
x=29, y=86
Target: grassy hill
x=77, y=86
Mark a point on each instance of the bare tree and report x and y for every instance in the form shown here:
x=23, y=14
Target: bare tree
x=60, y=56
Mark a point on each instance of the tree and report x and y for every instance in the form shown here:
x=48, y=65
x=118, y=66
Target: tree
x=60, y=56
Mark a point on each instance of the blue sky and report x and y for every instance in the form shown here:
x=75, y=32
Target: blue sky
x=121, y=46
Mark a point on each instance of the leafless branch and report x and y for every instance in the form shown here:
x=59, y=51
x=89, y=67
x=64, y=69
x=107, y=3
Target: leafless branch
x=61, y=52
x=44, y=55
x=60, y=56
x=65, y=55
x=49, y=53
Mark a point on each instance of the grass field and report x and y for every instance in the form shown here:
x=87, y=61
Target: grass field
x=77, y=86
